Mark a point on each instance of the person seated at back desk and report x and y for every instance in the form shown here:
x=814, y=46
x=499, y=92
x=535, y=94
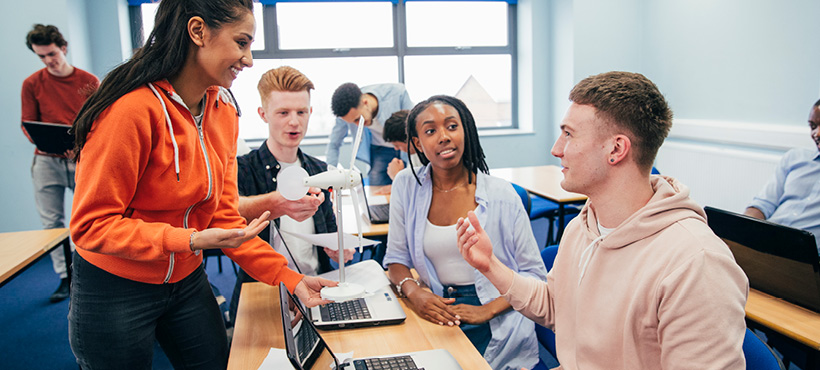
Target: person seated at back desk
x=792, y=197
x=424, y=207
x=285, y=94
x=395, y=133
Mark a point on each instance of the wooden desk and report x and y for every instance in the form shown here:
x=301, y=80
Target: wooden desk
x=19, y=250
x=259, y=327
x=794, y=322
x=544, y=181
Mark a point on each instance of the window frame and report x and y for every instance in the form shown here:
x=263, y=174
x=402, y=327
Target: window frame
x=400, y=48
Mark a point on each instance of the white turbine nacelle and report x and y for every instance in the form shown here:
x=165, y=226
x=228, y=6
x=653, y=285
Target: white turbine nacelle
x=339, y=179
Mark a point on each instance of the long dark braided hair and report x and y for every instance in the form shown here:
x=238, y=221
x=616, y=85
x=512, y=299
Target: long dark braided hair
x=162, y=56
x=473, y=157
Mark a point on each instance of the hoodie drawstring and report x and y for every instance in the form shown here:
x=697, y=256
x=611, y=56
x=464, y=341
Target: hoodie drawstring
x=585, y=258
x=170, y=128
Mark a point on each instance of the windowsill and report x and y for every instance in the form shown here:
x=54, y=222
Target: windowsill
x=254, y=143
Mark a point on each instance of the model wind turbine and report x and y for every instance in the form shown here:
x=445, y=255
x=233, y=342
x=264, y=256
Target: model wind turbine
x=294, y=182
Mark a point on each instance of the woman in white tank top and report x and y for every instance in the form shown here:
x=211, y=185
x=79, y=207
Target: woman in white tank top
x=425, y=205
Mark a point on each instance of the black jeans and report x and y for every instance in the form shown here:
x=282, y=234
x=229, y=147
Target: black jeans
x=113, y=321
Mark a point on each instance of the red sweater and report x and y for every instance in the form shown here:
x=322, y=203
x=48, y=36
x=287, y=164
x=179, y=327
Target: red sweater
x=48, y=98
x=133, y=218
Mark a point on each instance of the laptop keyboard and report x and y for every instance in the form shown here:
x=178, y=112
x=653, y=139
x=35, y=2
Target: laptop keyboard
x=348, y=310
x=380, y=212
x=306, y=340
x=385, y=363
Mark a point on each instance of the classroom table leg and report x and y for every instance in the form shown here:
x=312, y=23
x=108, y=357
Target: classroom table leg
x=67, y=253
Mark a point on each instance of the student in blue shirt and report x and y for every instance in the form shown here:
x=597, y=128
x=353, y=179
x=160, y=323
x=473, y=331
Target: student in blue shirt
x=792, y=197
x=375, y=103
x=425, y=204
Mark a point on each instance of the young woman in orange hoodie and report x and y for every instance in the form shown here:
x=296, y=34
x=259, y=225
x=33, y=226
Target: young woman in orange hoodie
x=156, y=184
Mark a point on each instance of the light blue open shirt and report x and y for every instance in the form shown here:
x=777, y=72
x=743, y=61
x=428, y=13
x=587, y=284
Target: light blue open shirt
x=392, y=98
x=792, y=197
x=501, y=214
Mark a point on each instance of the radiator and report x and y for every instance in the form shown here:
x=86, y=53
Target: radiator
x=717, y=176
x=725, y=164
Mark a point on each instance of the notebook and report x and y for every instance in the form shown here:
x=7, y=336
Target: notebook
x=379, y=307
x=50, y=137
x=377, y=213
x=307, y=350
x=778, y=260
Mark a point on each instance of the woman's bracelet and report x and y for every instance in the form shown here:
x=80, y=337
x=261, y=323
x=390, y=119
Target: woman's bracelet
x=398, y=286
x=191, y=241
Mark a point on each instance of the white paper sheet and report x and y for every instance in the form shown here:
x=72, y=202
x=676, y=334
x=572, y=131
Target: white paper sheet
x=277, y=359
x=366, y=273
x=331, y=240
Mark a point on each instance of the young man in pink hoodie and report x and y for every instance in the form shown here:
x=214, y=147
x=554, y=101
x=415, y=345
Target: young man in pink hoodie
x=640, y=281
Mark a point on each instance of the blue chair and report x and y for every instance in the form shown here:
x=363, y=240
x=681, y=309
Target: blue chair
x=525, y=197
x=758, y=354
x=218, y=254
x=655, y=171
x=545, y=336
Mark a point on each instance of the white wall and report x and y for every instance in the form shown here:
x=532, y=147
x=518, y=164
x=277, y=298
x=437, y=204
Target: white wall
x=81, y=31
x=735, y=60
x=18, y=62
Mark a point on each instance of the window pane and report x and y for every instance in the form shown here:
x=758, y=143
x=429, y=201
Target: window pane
x=483, y=82
x=259, y=38
x=326, y=76
x=149, y=12
x=435, y=23
x=334, y=25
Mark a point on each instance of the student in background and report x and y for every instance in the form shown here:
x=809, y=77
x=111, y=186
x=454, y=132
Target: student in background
x=640, y=281
x=375, y=103
x=285, y=95
x=424, y=207
x=53, y=94
x=156, y=184
x=792, y=196
x=395, y=133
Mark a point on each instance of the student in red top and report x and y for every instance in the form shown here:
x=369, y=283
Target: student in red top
x=53, y=94
x=157, y=184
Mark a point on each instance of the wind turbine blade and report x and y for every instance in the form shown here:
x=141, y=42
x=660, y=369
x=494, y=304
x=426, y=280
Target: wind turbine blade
x=291, y=182
x=356, y=206
x=357, y=141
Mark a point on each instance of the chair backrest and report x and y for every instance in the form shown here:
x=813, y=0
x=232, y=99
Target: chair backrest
x=759, y=356
x=545, y=336
x=525, y=197
x=655, y=171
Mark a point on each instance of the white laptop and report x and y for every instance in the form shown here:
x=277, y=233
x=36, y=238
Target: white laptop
x=379, y=306
x=306, y=349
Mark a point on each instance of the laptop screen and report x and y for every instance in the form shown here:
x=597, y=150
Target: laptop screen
x=303, y=344
x=778, y=260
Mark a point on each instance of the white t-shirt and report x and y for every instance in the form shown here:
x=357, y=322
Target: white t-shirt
x=305, y=254
x=603, y=230
x=441, y=248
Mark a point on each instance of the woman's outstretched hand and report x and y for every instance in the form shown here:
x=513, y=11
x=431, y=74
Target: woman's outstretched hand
x=216, y=238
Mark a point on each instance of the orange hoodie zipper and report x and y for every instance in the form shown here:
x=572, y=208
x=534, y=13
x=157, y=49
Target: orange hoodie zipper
x=210, y=182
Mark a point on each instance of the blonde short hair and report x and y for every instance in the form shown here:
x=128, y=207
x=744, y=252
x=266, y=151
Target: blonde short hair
x=283, y=79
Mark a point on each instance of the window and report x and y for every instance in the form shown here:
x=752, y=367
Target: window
x=460, y=48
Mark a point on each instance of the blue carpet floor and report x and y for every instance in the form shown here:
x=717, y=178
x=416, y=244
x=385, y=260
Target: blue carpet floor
x=35, y=331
